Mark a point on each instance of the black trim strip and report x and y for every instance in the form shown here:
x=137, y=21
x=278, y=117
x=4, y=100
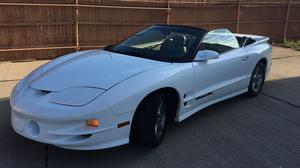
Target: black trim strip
x=207, y=94
x=123, y=124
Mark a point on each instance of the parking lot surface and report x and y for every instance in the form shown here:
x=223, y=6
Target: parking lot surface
x=242, y=132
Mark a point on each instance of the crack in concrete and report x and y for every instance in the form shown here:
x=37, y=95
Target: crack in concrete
x=46, y=155
x=281, y=100
x=291, y=56
x=10, y=80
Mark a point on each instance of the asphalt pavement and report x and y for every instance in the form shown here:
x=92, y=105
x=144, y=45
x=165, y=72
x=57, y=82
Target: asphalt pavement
x=242, y=132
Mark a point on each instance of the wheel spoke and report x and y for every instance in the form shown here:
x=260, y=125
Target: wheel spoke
x=257, y=78
x=160, y=121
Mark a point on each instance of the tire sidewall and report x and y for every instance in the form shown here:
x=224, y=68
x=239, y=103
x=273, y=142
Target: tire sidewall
x=251, y=92
x=144, y=120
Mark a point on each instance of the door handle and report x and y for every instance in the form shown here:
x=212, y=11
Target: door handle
x=245, y=58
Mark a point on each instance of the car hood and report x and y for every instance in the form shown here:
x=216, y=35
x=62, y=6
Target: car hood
x=96, y=68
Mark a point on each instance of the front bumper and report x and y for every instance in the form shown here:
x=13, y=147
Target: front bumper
x=69, y=134
x=36, y=118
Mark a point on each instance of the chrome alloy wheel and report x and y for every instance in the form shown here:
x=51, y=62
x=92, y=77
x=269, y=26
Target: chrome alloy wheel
x=257, y=78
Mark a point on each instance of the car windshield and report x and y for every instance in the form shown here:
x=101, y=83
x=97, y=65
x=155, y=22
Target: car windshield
x=165, y=43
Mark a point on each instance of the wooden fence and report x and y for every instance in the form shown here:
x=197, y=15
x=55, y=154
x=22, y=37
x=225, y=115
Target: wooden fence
x=45, y=29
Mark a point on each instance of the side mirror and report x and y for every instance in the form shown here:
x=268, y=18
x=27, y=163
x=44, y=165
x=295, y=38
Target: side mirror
x=206, y=55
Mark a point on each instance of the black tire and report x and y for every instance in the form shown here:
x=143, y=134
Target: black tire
x=257, y=79
x=149, y=122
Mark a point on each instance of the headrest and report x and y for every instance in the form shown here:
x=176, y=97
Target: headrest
x=178, y=39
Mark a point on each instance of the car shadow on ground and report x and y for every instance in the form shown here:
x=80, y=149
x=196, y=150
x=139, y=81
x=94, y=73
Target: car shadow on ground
x=210, y=138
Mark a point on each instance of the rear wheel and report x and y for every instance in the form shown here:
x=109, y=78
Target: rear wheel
x=257, y=79
x=149, y=122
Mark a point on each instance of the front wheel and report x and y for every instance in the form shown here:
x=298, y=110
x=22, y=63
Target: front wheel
x=257, y=80
x=149, y=122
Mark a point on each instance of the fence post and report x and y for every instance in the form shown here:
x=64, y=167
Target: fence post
x=286, y=19
x=168, y=12
x=77, y=25
x=238, y=16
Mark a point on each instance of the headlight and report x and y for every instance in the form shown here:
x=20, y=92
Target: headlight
x=76, y=96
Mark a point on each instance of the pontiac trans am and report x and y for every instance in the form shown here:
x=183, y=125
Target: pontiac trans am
x=124, y=93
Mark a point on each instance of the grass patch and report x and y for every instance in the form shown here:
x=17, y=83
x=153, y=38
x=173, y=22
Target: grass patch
x=291, y=44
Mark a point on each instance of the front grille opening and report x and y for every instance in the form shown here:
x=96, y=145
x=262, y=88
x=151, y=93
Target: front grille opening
x=79, y=138
x=85, y=136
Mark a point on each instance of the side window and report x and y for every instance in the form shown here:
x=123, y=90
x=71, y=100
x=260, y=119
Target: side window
x=219, y=40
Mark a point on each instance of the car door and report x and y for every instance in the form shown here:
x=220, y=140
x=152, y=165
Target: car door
x=220, y=77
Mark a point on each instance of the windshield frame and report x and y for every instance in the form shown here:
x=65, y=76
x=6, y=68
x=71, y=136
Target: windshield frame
x=197, y=32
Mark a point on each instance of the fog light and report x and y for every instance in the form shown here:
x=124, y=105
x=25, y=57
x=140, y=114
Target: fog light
x=33, y=128
x=93, y=122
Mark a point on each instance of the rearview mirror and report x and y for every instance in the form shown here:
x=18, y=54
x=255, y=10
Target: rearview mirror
x=206, y=55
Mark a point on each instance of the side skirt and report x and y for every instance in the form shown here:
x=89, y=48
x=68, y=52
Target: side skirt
x=197, y=109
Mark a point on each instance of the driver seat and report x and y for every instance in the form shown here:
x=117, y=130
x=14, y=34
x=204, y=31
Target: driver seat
x=174, y=46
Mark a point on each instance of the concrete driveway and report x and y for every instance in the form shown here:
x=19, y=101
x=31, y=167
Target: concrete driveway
x=241, y=132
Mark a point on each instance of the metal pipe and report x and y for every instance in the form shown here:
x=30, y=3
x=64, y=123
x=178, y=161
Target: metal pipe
x=86, y=6
x=41, y=48
x=77, y=25
x=127, y=7
x=168, y=13
x=50, y=48
x=238, y=17
x=286, y=20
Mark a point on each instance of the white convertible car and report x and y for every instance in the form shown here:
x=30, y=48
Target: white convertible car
x=124, y=93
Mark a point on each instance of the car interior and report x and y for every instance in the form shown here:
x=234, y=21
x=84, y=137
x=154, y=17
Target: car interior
x=244, y=41
x=176, y=45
